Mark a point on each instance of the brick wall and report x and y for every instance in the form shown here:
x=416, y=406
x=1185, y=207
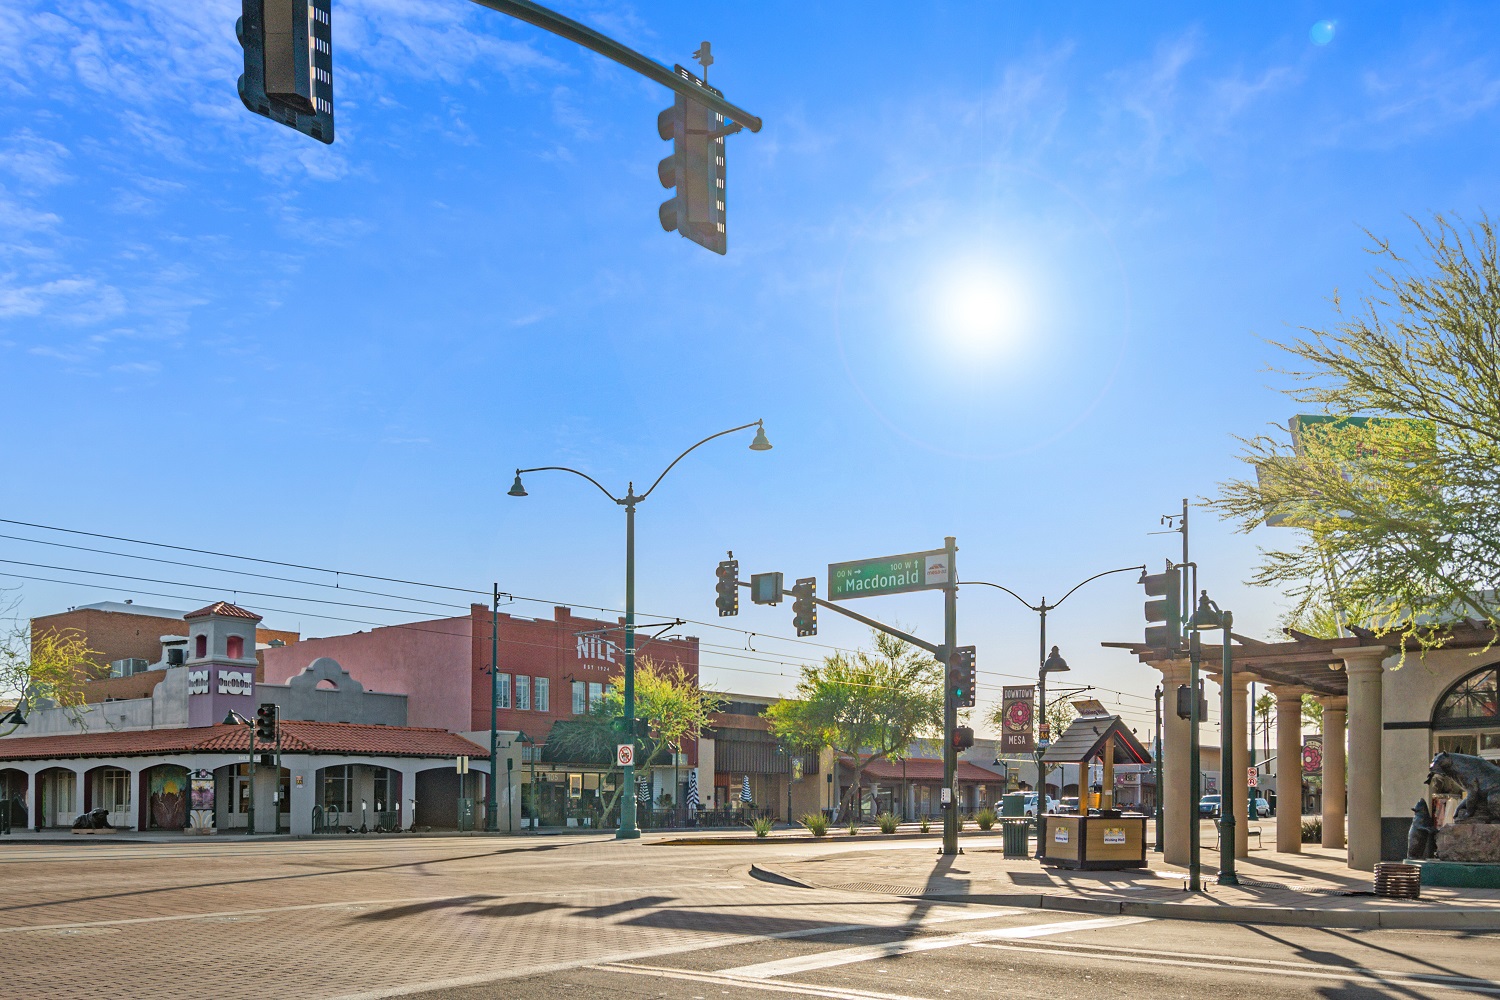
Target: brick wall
x=114, y=635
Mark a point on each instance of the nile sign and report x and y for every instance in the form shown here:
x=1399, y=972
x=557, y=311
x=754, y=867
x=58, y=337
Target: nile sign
x=890, y=575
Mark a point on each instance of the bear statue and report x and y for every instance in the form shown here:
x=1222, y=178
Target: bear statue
x=95, y=819
x=1480, y=781
x=1421, y=839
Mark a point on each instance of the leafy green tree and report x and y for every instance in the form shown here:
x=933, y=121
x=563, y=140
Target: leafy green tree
x=1400, y=520
x=46, y=668
x=867, y=706
x=667, y=698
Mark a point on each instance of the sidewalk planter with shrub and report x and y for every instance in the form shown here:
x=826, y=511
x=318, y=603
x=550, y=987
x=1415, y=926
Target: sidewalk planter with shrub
x=985, y=818
x=924, y=824
x=761, y=825
x=887, y=823
x=1312, y=831
x=816, y=823
x=853, y=828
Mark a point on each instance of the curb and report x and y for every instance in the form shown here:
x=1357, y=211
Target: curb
x=1373, y=918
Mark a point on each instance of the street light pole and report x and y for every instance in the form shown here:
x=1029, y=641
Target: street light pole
x=1058, y=665
x=491, y=816
x=628, y=829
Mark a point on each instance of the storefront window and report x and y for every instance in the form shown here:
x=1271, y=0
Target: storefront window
x=504, y=695
x=1474, y=697
x=540, y=695
x=596, y=695
x=382, y=789
x=523, y=693
x=580, y=698
x=338, y=788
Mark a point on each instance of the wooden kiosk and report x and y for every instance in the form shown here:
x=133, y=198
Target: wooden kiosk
x=1102, y=837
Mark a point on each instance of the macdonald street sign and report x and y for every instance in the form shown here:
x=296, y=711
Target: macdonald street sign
x=890, y=575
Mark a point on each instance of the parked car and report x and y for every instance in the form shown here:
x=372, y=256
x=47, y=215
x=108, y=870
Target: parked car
x=1209, y=806
x=1067, y=805
x=1262, y=807
x=1030, y=804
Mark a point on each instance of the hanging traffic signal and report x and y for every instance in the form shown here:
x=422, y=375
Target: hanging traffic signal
x=1167, y=587
x=804, y=611
x=695, y=168
x=265, y=723
x=963, y=738
x=289, y=63
x=962, y=676
x=728, y=601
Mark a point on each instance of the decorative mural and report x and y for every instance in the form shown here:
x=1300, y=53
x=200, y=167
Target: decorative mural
x=169, y=796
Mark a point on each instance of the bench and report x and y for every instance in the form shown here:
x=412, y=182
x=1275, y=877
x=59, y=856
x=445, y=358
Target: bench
x=1252, y=831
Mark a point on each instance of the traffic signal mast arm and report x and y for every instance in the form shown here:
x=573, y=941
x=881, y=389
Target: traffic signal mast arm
x=607, y=47
x=933, y=648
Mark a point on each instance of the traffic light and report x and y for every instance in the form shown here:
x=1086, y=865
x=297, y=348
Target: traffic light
x=804, y=611
x=265, y=723
x=289, y=63
x=695, y=169
x=961, y=676
x=728, y=601
x=1185, y=703
x=963, y=738
x=1167, y=609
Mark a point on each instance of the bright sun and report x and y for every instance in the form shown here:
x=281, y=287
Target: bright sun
x=977, y=309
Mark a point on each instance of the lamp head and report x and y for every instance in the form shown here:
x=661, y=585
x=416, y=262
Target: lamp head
x=760, y=443
x=1055, y=664
x=516, y=489
x=13, y=717
x=1206, y=616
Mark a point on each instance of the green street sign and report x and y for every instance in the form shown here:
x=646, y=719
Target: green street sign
x=890, y=575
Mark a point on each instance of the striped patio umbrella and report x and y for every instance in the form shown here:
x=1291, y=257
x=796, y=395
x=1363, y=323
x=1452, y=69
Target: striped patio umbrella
x=745, y=789
x=692, y=793
x=643, y=789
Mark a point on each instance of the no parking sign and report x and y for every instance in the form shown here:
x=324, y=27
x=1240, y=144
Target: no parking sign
x=625, y=754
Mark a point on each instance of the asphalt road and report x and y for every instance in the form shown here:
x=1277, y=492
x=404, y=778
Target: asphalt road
x=465, y=918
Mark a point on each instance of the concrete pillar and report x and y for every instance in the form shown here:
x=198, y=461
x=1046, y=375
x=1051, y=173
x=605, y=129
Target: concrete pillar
x=77, y=794
x=1363, y=665
x=1289, y=770
x=1176, y=819
x=1335, y=711
x=1240, y=786
x=32, y=798
x=408, y=798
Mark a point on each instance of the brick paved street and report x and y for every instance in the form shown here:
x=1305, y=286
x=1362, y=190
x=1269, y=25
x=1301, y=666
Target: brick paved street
x=472, y=917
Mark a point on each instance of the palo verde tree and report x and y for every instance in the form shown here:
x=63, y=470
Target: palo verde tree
x=47, y=667
x=1399, y=507
x=867, y=706
x=668, y=701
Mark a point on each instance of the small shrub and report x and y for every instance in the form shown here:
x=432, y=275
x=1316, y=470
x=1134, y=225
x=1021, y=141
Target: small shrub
x=887, y=823
x=761, y=825
x=816, y=823
x=1312, y=831
x=963, y=820
x=924, y=824
x=853, y=827
x=985, y=818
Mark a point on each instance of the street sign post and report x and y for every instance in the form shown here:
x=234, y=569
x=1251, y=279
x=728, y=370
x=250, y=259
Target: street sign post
x=901, y=574
x=1252, y=776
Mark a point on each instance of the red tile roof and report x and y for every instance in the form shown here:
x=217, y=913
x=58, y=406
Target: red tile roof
x=296, y=737
x=222, y=608
x=917, y=769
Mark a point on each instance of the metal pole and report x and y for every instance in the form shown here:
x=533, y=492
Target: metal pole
x=1226, y=762
x=567, y=28
x=1253, y=793
x=1158, y=748
x=628, y=830
x=250, y=814
x=491, y=816
x=1041, y=730
x=950, y=704
x=1195, y=777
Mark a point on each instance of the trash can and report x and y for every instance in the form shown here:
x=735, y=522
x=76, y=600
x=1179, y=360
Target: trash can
x=1016, y=831
x=1013, y=804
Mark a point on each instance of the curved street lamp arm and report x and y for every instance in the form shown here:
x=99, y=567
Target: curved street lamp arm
x=1122, y=569
x=679, y=458
x=564, y=468
x=1012, y=593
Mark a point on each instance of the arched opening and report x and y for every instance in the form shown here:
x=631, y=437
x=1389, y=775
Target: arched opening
x=327, y=685
x=13, y=786
x=166, y=789
x=200, y=647
x=1466, y=719
x=109, y=788
x=447, y=800
x=360, y=798
x=57, y=797
x=234, y=647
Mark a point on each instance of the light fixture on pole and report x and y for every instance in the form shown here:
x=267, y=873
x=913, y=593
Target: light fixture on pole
x=1207, y=617
x=628, y=829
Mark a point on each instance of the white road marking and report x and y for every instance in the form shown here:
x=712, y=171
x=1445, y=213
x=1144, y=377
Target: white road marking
x=770, y=986
x=870, y=953
x=720, y=941
x=1261, y=966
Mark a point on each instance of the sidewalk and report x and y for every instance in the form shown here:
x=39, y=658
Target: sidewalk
x=1314, y=888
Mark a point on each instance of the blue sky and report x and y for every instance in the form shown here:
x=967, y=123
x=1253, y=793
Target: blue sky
x=218, y=333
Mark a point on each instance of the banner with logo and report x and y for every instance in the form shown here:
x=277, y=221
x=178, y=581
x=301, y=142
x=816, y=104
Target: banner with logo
x=1312, y=757
x=1017, y=715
